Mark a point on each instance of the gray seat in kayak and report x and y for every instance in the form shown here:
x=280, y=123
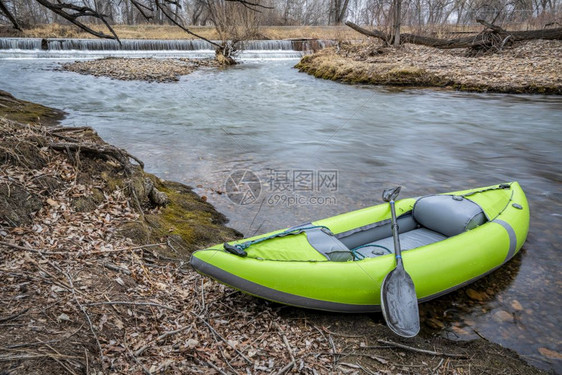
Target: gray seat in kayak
x=409, y=240
x=447, y=214
x=438, y=217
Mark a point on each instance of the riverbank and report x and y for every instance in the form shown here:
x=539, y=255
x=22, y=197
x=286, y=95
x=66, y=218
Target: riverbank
x=532, y=67
x=145, y=69
x=95, y=279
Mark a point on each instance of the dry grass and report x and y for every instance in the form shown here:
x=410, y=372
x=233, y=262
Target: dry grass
x=148, y=31
x=172, y=32
x=123, y=31
x=531, y=67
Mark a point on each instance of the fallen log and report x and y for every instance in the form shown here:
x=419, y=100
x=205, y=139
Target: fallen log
x=481, y=40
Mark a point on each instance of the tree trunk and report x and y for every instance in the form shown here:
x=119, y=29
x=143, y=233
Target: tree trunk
x=342, y=11
x=480, y=40
x=396, y=22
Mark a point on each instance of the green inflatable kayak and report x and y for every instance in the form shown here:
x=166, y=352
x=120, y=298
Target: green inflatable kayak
x=339, y=263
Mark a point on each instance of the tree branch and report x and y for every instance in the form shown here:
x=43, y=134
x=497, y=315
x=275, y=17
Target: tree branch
x=142, y=8
x=9, y=15
x=425, y=351
x=495, y=28
x=374, y=33
x=250, y=5
x=171, y=19
x=62, y=9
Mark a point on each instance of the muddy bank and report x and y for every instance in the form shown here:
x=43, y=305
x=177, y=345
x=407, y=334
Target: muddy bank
x=144, y=69
x=96, y=280
x=532, y=67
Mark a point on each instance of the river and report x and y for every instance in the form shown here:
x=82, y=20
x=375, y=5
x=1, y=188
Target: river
x=316, y=148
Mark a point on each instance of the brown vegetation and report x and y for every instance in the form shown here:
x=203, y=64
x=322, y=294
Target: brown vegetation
x=529, y=67
x=147, y=31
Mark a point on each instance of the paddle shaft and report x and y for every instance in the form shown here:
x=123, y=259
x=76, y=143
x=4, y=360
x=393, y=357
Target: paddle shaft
x=397, y=250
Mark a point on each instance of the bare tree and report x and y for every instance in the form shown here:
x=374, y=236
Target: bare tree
x=233, y=21
x=338, y=8
x=383, y=14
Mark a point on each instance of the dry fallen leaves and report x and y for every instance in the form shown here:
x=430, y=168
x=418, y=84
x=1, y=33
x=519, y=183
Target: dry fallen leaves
x=76, y=292
x=533, y=66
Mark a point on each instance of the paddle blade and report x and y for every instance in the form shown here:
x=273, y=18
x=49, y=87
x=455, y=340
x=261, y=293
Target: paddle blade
x=399, y=303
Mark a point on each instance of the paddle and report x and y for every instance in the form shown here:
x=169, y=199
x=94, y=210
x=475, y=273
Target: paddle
x=398, y=295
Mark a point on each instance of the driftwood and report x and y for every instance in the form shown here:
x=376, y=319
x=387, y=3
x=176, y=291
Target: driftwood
x=484, y=40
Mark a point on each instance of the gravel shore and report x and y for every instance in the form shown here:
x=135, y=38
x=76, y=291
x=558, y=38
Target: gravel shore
x=533, y=67
x=144, y=69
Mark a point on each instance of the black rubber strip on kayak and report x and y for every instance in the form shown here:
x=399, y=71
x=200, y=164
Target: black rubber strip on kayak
x=276, y=295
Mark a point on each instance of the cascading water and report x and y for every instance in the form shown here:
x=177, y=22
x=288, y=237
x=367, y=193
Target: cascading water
x=93, y=48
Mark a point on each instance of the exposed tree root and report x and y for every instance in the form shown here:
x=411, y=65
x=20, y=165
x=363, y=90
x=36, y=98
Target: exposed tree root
x=103, y=151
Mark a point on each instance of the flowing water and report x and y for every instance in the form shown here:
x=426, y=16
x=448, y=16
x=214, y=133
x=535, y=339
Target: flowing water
x=313, y=148
x=55, y=48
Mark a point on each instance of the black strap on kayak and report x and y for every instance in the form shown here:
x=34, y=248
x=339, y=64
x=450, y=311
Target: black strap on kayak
x=240, y=248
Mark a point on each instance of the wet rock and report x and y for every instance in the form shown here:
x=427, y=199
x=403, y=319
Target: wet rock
x=516, y=305
x=502, y=316
x=460, y=331
x=476, y=295
x=550, y=353
x=434, y=323
x=156, y=196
